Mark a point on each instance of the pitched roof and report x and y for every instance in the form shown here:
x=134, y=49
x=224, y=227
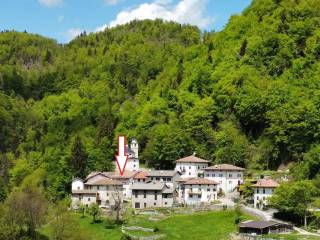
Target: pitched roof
x=147, y=186
x=84, y=191
x=266, y=183
x=167, y=190
x=225, y=167
x=103, y=182
x=191, y=159
x=92, y=174
x=116, y=175
x=200, y=181
x=258, y=224
x=161, y=173
x=140, y=175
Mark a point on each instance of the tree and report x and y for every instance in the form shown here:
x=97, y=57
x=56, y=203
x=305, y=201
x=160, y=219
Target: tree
x=117, y=199
x=95, y=211
x=294, y=198
x=78, y=158
x=63, y=225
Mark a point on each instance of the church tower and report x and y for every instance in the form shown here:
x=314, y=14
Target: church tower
x=134, y=146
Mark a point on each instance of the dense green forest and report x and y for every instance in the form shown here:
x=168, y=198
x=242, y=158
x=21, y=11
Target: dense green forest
x=248, y=95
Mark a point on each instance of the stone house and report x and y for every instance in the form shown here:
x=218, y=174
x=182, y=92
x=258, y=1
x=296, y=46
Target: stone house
x=169, y=177
x=151, y=195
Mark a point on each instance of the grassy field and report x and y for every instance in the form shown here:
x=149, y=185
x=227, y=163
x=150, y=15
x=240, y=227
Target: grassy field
x=290, y=237
x=205, y=226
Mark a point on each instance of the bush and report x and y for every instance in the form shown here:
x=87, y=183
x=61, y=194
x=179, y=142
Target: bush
x=155, y=229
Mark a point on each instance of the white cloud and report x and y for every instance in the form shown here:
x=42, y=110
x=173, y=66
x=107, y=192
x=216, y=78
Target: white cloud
x=72, y=33
x=185, y=11
x=51, y=3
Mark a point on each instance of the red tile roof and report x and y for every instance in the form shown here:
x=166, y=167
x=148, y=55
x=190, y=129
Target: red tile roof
x=266, y=183
x=225, y=167
x=141, y=175
x=200, y=181
x=192, y=159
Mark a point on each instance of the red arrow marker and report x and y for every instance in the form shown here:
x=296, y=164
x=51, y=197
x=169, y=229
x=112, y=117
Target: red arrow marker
x=121, y=158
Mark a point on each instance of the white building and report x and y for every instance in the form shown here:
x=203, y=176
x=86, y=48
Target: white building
x=228, y=176
x=133, y=156
x=263, y=189
x=195, y=191
x=99, y=189
x=191, y=167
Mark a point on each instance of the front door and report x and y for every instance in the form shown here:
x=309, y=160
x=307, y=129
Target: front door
x=137, y=205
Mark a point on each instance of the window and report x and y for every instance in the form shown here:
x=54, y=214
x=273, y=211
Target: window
x=230, y=182
x=168, y=179
x=134, y=165
x=157, y=178
x=107, y=194
x=230, y=174
x=220, y=175
x=165, y=203
x=199, y=196
x=257, y=190
x=155, y=195
x=239, y=175
x=136, y=194
x=207, y=175
x=165, y=196
x=257, y=197
x=264, y=191
x=208, y=189
x=145, y=204
x=78, y=188
x=198, y=167
x=189, y=173
x=154, y=204
x=98, y=187
x=145, y=194
x=88, y=199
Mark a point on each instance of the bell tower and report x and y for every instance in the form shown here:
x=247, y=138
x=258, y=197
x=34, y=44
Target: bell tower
x=134, y=146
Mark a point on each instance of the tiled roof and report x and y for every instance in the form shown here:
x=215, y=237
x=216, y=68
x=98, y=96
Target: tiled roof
x=104, y=181
x=141, y=175
x=84, y=191
x=162, y=173
x=200, y=181
x=261, y=224
x=267, y=183
x=147, y=186
x=225, y=167
x=191, y=159
x=116, y=175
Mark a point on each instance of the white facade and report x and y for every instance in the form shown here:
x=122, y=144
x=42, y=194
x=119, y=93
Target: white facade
x=132, y=164
x=190, y=170
x=228, y=180
x=261, y=195
x=77, y=184
x=194, y=193
x=133, y=156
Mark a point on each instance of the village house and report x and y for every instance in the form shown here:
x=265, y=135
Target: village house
x=194, y=191
x=133, y=156
x=101, y=190
x=140, y=177
x=263, y=190
x=151, y=195
x=191, y=167
x=229, y=177
x=169, y=177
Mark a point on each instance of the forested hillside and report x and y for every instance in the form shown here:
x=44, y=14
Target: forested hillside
x=248, y=95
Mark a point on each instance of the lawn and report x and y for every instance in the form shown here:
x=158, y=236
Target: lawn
x=209, y=225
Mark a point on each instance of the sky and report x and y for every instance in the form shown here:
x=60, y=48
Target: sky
x=65, y=19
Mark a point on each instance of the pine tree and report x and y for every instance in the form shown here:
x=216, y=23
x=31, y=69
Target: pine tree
x=78, y=158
